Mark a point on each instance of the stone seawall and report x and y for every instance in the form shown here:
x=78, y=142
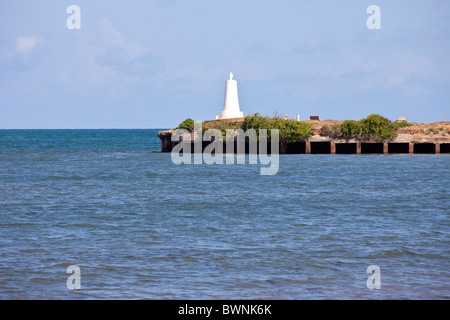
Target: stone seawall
x=419, y=138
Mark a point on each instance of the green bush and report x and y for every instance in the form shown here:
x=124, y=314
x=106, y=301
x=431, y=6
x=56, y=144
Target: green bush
x=377, y=127
x=373, y=127
x=351, y=129
x=289, y=131
x=187, y=124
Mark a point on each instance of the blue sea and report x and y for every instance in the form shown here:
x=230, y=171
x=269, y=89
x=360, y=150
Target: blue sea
x=140, y=227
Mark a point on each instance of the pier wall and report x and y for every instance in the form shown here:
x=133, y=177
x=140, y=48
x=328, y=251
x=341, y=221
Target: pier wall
x=402, y=144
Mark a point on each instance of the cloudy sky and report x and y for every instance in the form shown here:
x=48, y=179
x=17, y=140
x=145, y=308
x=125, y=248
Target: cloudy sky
x=151, y=64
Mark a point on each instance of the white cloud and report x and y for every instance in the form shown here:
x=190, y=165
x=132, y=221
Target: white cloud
x=104, y=60
x=112, y=38
x=26, y=44
x=314, y=45
x=366, y=71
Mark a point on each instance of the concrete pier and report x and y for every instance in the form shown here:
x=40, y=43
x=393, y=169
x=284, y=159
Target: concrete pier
x=313, y=146
x=436, y=141
x=307, y=147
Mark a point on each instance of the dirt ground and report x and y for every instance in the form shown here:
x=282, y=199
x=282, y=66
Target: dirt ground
x=436, y=128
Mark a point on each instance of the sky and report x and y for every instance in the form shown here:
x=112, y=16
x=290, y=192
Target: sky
x=154, y=63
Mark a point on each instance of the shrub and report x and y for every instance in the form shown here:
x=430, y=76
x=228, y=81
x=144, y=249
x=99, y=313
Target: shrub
x=187, y=124
x=373, y=127
x=351, y=129
x=377, y=127
x=290, y=131
x=332, y=132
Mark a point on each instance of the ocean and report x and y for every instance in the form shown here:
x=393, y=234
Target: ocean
x=139, y=226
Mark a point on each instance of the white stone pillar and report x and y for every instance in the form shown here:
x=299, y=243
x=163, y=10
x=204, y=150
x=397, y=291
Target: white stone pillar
x=231, y=104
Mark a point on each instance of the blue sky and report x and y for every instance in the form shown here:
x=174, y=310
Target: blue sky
x=152, y=64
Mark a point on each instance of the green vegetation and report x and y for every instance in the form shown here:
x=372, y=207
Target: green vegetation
x=332, y=132
x=187, y=124
x=436, y=130
x=350, y=129
x=289, y=130
x=401, y=124
x=374, y=127
x=222, y=126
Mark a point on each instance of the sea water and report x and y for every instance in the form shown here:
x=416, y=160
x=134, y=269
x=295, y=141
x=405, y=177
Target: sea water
x=140, y=227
